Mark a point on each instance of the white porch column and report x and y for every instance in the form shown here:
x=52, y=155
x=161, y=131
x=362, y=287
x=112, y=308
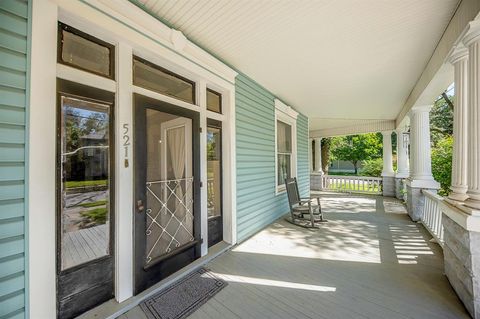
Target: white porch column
x=387, y=154
x=420, y=161
x=403, y=168
x=472, y=41
x=316, y=177
x=420, y=157
x=388, y=173
x=318, y=155
x=459, y=186
x=310, y=153
x=461, y=220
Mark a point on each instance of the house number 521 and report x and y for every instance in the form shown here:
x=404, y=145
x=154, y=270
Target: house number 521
x=126, y=142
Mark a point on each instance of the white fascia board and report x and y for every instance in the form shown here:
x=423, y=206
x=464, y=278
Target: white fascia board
x=362, y=128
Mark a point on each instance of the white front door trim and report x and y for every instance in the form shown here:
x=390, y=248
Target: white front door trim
x=133, y=32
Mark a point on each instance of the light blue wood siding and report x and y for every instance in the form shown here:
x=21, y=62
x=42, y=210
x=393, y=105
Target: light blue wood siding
x=257, y=204
x=13, y=108
x=303, y=166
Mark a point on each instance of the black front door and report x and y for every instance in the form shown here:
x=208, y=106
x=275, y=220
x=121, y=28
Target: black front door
x=85, y=218
x=167, y=189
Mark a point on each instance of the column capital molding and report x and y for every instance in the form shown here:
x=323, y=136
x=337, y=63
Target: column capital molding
x=473, y=33
x=458, y=53
x=389, y=132
x=421, y=109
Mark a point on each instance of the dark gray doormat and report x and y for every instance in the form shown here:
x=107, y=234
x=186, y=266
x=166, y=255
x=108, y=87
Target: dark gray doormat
x=183, y=297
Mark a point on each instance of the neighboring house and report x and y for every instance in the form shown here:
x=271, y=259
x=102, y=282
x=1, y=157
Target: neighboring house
x=342, y=167
x=95, y=156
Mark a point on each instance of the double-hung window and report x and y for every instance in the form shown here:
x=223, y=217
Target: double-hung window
x=286, y=138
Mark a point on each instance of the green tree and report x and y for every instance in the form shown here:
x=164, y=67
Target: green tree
x=326, y=143
x=356, y=148
x=442, y=163
x=441, y=131
x=441, y=120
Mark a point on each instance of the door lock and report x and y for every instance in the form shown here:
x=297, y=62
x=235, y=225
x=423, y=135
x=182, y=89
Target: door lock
x=140, y=207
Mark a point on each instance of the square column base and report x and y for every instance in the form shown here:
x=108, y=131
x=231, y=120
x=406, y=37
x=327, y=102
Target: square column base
x=388, y=186
x=415, y=197
x=462, y=262
x=316, y=181
x=399, y=188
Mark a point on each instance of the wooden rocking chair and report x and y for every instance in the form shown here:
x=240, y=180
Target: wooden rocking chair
x=304, y=212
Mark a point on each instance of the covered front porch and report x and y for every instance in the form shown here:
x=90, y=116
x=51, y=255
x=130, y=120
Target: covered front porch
x=369, y=261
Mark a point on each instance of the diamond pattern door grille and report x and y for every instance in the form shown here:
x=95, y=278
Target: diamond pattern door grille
x=169, y=216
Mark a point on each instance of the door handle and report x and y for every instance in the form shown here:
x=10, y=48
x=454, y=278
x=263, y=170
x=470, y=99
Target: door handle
x=140, y=206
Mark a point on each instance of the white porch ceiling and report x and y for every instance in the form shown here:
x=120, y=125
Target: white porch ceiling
x=335, y=61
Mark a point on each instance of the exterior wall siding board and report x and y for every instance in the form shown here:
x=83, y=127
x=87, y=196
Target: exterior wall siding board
x=303, y=167
x=14, y=15
x=257, y=203
x=11, y=22
x=12, y=115
x=13, y=42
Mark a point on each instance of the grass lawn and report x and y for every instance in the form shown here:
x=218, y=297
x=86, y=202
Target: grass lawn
x=74, y=184
x=93, y=204
x=97, y=215
x=354, y=187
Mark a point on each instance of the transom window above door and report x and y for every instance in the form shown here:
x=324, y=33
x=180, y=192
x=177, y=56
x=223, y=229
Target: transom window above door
x=153, y=77
x=83, y=51
x=214, y=101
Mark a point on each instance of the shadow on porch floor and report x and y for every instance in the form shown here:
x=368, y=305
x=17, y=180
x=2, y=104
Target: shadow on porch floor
x=369, y=261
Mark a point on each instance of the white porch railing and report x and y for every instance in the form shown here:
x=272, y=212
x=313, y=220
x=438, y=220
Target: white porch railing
x=432, y=215
x=353, y=184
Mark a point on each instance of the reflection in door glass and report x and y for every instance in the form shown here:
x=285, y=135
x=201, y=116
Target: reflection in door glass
x=84, y=173
x=214, y=171
x=169, y=213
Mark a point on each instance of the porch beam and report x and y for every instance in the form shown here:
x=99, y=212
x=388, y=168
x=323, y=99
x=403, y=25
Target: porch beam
x=359, y=127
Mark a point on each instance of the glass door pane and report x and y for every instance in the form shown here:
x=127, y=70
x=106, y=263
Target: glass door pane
x=214, y=182
x=169, y=207
x=84, y=174
x=214, y=171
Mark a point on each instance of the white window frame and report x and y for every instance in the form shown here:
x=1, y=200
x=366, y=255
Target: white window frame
x=287, y=115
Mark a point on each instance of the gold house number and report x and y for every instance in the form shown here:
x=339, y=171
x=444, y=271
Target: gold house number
x=126, y=142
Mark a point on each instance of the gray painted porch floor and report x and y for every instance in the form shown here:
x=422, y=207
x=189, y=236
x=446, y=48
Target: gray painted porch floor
x=368, y=261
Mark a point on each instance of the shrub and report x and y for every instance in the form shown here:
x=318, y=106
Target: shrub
x=372, y=167
x=442, y=164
